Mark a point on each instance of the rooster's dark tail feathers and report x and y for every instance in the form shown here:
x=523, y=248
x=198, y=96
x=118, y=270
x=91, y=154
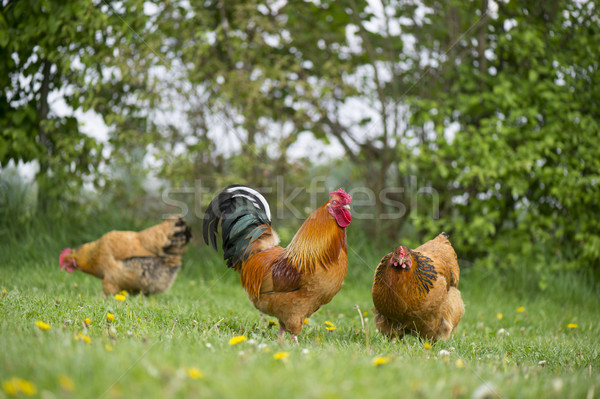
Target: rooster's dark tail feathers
x=242, y=213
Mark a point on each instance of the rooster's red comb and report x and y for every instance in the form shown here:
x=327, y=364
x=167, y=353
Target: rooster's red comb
x=344, y=196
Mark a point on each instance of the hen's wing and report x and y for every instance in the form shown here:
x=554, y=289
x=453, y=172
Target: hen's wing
x=442, y=253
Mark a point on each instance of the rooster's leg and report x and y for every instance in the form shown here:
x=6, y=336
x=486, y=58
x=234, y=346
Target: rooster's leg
x=294, y=338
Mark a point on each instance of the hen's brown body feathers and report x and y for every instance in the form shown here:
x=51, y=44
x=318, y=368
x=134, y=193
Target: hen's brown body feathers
x=145, y=261
x=423, y=298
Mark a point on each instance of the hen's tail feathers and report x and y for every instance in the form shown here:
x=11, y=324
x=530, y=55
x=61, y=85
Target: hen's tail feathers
x=179, y=235
x=244, y=216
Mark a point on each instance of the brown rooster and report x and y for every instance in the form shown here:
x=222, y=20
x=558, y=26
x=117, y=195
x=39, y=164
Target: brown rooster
x=145, y=261
x=288, y=283
x=416, y=291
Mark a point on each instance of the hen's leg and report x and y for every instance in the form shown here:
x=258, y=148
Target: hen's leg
x=388, y=327
x=109, y=287
x=444, y=330
x=281, y=333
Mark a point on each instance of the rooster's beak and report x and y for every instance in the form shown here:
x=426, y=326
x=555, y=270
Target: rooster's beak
x=347, y=207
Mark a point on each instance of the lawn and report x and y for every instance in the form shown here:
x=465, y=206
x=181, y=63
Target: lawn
x=515, y=340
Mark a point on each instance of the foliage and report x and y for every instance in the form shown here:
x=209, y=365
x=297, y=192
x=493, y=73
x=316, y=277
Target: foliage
x=520, y=176
x=83, y=53
x=476, y=118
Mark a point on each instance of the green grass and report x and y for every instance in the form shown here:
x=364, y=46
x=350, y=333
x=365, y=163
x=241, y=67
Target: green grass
x=156, y=340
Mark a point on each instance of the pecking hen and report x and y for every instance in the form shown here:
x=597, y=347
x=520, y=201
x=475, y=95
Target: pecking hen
x=145, y=261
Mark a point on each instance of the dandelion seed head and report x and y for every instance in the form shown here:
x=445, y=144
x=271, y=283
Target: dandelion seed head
x=443, y=353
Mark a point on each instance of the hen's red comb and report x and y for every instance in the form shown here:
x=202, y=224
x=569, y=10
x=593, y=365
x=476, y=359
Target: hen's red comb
x=344, y=196
x=62, y=256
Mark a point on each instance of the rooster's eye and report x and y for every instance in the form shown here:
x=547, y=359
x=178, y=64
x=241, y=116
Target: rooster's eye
x=334, y=202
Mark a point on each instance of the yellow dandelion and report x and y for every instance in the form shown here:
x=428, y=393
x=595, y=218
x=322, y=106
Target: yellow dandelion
x=108, y=348
x=124, y=293
x=520, y=309
x=237, y=340
x=42, y=326
x=459, y=363
x=330, y=324
x=194, y=373
x=332, y=328
x=4, y=291
x=305, y=321
x=110, y=316
x=88, y=321
x=16, y=385
x=427, y=345
x=281, y=355
x=273, y=323
x=499, y=316
x=365, y=314
x=572, y=325
x=120, y=297
x=10, y=387
x=379, y=360
x=66, y=383
x=86, y=339
x=28, y=388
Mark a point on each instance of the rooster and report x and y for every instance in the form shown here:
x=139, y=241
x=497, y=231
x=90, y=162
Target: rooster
x=416, y=291
x=287, y=283
x=145, y=261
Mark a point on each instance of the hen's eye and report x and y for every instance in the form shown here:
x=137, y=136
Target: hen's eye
x=334, y=202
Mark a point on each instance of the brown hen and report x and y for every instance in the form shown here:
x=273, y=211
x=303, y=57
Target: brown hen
x=416, y=291
x=145, y=261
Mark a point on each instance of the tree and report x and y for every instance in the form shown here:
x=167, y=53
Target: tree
x=90, y=55
x=520, y=86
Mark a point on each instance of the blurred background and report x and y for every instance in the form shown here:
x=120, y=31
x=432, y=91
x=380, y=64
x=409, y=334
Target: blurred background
x=477, y=118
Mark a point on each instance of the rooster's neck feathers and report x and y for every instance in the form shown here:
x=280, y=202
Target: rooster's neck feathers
x=318, y=242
